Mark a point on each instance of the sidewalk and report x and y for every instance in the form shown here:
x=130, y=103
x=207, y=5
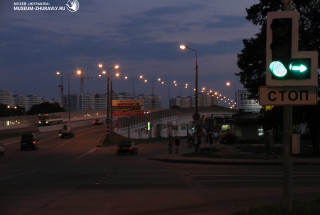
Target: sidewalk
x=227, y=151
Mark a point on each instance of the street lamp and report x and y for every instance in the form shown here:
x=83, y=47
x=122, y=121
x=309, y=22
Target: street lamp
x=61, y=86
x=235, y=93
x=159, y=80
x=82, y=78
x=183, y=47
x=109, y=98
x=133, y=79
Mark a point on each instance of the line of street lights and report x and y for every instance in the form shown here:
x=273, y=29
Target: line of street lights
x=159, y=80
x=145, y=80
x=106, y=72
x=109, y=83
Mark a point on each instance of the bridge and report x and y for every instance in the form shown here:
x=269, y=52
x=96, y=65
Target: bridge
x=176, y=122
x=156, y=123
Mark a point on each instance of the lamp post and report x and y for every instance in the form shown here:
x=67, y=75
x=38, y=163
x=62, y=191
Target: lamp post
x=109, y=98
x=159, y=80
x=196, y=115
x=82, y=78
x=235, y=94
x=61, y=86
x=133, y=88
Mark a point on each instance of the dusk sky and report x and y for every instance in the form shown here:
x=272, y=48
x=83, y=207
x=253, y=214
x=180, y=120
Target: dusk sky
x=142, y=36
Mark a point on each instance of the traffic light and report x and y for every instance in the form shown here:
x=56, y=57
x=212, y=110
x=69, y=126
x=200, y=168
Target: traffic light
x=285, y=65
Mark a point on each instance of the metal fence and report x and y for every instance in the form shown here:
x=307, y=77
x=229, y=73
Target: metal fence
x=32, y=120
x=158, y=116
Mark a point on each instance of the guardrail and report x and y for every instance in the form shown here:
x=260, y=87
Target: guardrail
x=158, y=116
x=13, y=122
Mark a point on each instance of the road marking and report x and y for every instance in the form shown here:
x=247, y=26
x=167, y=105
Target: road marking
x=16, y=141
x=278, y=175
x=85, y=154
x=250, y=178
x=62, y=144
x=234, y=175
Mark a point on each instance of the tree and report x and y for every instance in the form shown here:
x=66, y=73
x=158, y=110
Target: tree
x=6, y=110
x=252, y=59
x=44, y=108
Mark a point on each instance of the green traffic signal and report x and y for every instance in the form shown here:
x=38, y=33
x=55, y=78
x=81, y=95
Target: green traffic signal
x=301, y=68
x=278, y=69
x=297, y=69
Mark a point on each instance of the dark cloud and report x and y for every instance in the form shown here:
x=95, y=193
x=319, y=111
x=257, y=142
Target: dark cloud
x=156, y=19
x=227, y=22
x=25, y=45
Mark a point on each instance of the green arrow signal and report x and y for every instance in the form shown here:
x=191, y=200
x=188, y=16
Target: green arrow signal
x=301, y=68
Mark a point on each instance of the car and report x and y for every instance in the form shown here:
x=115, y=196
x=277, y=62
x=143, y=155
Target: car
x=97, y=122
x=127, y=147
x=66, y=131
x=29, y=141
x=1, y=149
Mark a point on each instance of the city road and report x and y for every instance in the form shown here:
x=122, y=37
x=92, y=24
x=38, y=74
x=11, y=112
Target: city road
x=73, y=176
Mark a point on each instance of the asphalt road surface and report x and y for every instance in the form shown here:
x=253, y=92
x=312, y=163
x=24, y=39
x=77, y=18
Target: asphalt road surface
x=74, y=177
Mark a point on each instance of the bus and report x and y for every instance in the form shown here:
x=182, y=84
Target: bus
x=50, y=119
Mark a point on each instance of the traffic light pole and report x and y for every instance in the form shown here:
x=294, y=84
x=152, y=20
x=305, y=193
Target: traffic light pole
x=287, y=141
x=287, y=159
x=289, y=74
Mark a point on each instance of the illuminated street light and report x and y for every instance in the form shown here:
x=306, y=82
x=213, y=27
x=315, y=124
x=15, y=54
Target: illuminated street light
x=82, y=78
x=183, y=47
x=61, y=86
x=152, y=81
x=109, y=97
x=235, y=92
x=196, y=115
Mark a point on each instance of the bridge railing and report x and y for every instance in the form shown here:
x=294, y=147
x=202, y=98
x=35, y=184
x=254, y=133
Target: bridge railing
x=12, y=122
x=159, y=116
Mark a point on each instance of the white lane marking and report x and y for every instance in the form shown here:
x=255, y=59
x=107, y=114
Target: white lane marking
x=260, y=178
x=275, y=175
x=88, y=152
x=16, y=141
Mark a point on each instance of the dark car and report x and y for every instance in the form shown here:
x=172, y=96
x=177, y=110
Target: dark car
x=127, y=147
x=97, y=122
x=66, y=131
x=29, y=141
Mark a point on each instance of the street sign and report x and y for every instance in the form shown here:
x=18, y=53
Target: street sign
x=285, y=64
x=287, y=96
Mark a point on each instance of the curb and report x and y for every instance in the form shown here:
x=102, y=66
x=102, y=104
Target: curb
x=235, y=162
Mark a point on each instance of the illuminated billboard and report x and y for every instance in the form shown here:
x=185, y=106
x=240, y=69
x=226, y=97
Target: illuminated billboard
x=127, y=107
